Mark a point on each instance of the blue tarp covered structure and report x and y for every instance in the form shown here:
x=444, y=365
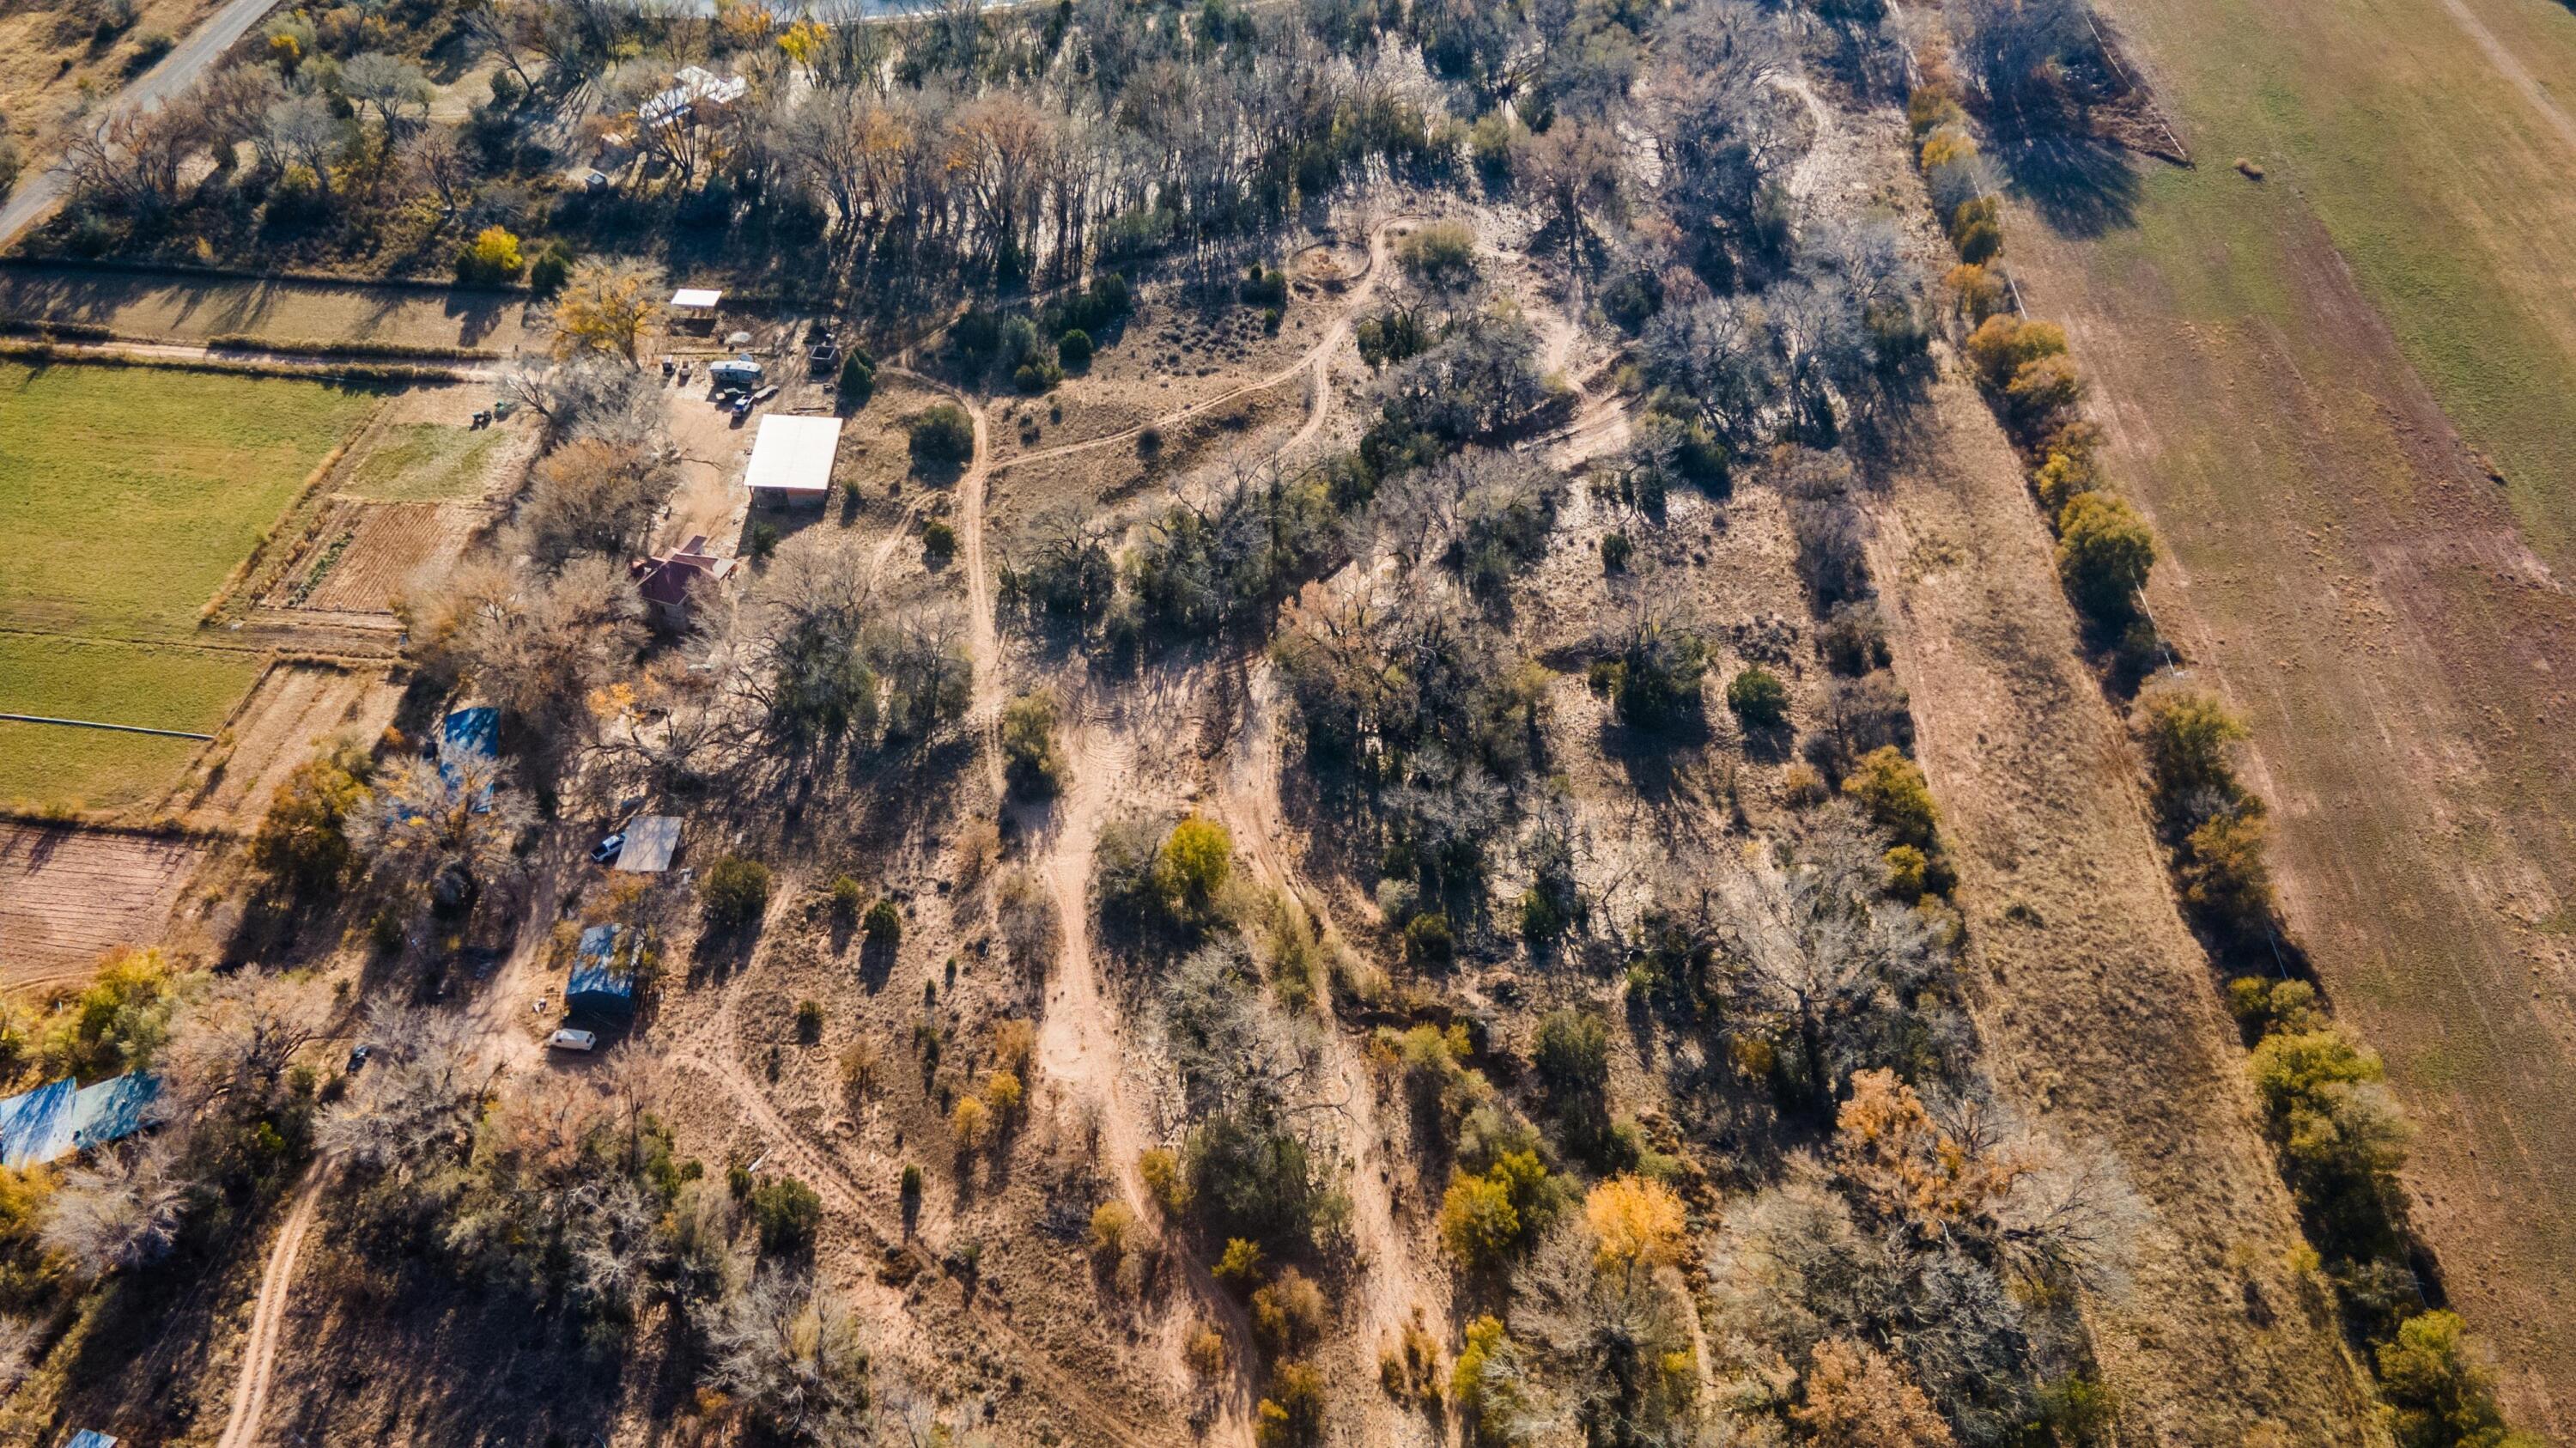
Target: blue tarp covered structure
x=113, y=1109
x=90, y=1438
x=475, y=731
x=36, y=1126
x=603, y=970
x=59, y=1118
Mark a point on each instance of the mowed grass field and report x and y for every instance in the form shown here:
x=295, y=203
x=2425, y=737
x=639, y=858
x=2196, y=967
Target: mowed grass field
x=152, y=686
x=2307, y=380
x=127, y=495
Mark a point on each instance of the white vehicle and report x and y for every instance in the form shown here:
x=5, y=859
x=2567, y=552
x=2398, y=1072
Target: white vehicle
x=572, y=1040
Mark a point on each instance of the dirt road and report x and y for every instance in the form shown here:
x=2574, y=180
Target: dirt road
x=267, y=1320
x=37, y=196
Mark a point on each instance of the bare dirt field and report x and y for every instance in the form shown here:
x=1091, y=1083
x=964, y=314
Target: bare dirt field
x=2350, y=572
x=283, y=313
x=293, y=712
x=366, y=552
x=68, y=895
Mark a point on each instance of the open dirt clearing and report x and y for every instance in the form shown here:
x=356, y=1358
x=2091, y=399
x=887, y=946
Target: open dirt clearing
x=282, y=313
x=2096, y=1003
x=295, y=710
x=67, y=895
x=2348, y=574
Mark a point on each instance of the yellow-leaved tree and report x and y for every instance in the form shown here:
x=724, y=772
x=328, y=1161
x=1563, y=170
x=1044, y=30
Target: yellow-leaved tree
x=606, y=309
x=1637, y=1223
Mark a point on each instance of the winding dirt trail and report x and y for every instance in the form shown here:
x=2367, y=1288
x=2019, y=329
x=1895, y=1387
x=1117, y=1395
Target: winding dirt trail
x=708, y=1052
x=267, y=1321
x=1394, y=1280
x=1316, y=360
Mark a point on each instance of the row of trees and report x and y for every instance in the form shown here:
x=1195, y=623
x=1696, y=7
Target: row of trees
x=2339, y=1137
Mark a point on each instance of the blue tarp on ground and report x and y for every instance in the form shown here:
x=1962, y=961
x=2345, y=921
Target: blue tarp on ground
x=90, y=1438
x=603, y=971
x=113, y=1109
x=36, y=1126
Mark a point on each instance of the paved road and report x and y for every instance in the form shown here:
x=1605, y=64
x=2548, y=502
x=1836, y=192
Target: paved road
x=37, y=196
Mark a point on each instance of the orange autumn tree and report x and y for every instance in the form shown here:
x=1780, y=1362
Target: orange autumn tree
x=1857, y=1398
x=1910, y=1168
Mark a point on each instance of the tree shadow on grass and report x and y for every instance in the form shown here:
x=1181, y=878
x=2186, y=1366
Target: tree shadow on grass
x=2081, y=185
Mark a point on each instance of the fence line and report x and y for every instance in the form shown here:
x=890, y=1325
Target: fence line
x=95, y=724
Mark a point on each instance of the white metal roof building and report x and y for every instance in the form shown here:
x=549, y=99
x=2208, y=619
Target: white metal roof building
x=696, y=299
x=791, y=462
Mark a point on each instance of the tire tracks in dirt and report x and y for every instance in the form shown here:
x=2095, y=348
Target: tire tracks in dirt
x=268, y=1317
x=820, y=1167
x=1316, y=360
x=1393, y=1278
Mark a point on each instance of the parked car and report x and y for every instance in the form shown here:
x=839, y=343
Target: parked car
x=358, y=1058
x=572, y=1040
x=608, y=849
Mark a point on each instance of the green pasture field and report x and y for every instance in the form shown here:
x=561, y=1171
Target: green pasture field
x=155, y=686
x=128, y=494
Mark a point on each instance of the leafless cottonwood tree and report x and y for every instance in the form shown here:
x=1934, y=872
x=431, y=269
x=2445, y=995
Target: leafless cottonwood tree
x=790, y=1348
x=122, y=1210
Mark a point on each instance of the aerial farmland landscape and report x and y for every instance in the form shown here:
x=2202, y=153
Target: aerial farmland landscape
x=1462, y=723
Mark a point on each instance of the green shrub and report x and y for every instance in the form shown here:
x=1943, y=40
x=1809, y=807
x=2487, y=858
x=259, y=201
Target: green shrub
x=941, y=436
x=553, y=267
x=2444, y=1397
x=1264, y=288
x=1891, y=788
x=1758, y=699
x=2190, y=740
x=735, y=893
x=1030, y=759
x=859, y=381
x=787, y=1213
x=938, y=539
x=2103, y=553
x=1192, y=865
x=1073, y=349
x=1441, y=254
x=847, y=896
x=1428, y=941
x=884, y=923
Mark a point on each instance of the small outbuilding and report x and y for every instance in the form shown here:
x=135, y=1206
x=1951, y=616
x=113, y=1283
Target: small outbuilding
x=791, y=460
x=603, y=970
x=695, y=307
x=651, y=841
x=668, y=583
x=695, y=91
